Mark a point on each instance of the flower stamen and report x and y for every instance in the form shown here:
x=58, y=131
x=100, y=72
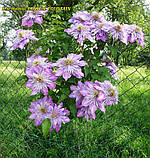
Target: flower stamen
x=35, y=63
x=112, y=93
x=21, y=34
x=68, y=62
x=138, y=29
x=43, y=110
x=80, y=28
x=39, y=78
x=53, y=115
x=96, y=94
x=96, y=16
x=118, y=27
x=101, y=25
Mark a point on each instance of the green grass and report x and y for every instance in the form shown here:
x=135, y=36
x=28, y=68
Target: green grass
x=123, y=132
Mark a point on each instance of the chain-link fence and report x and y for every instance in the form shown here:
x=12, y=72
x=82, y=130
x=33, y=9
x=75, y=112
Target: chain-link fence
x=122, y=132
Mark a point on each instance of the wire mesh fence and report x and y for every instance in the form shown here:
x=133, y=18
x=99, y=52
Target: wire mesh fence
x=122, y=132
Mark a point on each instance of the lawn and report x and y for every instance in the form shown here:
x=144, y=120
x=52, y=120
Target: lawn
x=122, y=132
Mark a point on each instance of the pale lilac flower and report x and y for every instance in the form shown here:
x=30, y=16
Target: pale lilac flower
x=80, y=17
x=117, y=31
x=33, y=16
x=135, y=34
x=70, y=66
x=40, y=48
x=110, y=92
x=41, y=110
x=76, y=93
x=97, y=17
x=113, y=70
x=48, y=51
x=93, y=97
x=81, y=32
x=85, y=111
x=40, y=79
x=38, y=60
x=23, y=38
x=89, y=96
x=57, y=116
x=112, y=67
x=101, y=30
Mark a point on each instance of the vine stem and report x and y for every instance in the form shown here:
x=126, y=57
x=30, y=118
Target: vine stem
x=77, y=136
x=27, y=55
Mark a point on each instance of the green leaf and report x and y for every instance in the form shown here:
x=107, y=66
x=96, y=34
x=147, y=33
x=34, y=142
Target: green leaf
x=65, y=91
x=45, y=127
x=92, y=62
x=86, y=70
x=62, y=97
x=73, y=109
x=102, y=69
x=113, y=49
x=96, y=76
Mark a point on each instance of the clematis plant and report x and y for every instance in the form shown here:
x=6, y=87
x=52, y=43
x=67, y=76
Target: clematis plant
x=80, y=82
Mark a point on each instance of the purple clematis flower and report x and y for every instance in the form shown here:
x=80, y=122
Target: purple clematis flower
x=101, y=30
x=48, y=51
x=41, y=110
x=113, y=70
x=97, y=17
x=76, y=93
x=40, y=79
x=85, y=111
x=112, y=67
x=40, y=48
x=23, y=38
x=110, y=92
x=81, y=32
x=117, y=31
x=57, y=116
x=70, y=66
x=135, y=34
x=80, y=17
x=33, y=16
x=93, y=97
x=38, y=60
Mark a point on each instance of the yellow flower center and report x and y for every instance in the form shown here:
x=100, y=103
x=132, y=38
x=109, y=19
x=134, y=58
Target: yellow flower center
x=33, y=11
x=43, y=110
x=138, y=29
x=96, y=94
x=53, y=115
x=118, y=27
x=35, y=63
x=21, y=34
x=101, y=25
x=68, y=62
x=112, y=93
x=39, y=78
x=35, y=54
x=96, y=16
x=80, y=28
